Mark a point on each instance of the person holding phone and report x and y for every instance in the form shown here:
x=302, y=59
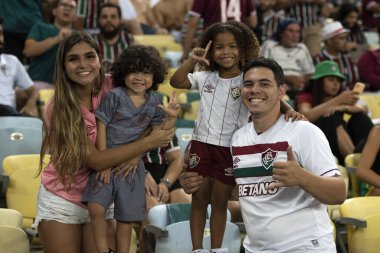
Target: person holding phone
x=324, y=103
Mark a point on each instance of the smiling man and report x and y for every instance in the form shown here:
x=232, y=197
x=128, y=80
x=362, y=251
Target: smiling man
x=42, y=42
x=285, y=171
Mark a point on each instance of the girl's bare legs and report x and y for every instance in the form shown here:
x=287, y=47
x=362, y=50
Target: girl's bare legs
x=200, y=200
x=123, y=236
x=88, y=243
x=98, y=226
x=58, y=237
x=345, y=144
x=220, y=194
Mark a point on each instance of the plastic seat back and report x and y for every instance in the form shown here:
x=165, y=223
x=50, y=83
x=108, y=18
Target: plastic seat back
x=24, y=183
x=19, y=135
x=359, y=208
x=184, y=135
x=366, y=240
x=174, y=218
x=10, y=217
x=13, y=239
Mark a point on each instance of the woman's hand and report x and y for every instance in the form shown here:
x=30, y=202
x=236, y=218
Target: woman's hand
x=128, y=167
x=104, y=176
x=159, y=138
x=347, y=97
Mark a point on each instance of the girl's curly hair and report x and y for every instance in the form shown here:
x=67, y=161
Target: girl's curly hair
x=246, y=40
x=139, y=58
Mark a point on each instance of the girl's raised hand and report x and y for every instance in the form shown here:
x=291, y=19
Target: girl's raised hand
x=199, y=54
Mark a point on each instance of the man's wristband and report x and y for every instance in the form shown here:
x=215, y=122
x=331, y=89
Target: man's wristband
x=166, y=182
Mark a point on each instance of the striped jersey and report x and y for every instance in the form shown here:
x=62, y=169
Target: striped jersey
x=87, y=9
x=110, y=53
x=307, y=13
x=221, y=110
x=347, y=67
x=288, y=212
x=158, y=155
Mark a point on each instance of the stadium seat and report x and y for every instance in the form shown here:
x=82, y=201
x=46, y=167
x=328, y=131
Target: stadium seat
x=171, y=229
x=361, y=215
x=10, y=217
x=24, y=183
x=13, y=239
x=44, y=96
x=372, y=100
x=20, y=135
x=358, y=188
x=184, y=135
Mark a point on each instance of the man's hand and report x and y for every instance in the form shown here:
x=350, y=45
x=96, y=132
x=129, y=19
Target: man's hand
x=288, y=173
x=150, y=185
x=190, y=181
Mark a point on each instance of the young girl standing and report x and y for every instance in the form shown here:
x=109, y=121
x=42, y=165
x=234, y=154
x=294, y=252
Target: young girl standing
x=71, y=132
x=124, y=114
x=222, y=51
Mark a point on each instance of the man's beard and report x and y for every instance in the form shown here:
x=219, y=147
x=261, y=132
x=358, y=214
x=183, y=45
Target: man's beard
x=110, y=34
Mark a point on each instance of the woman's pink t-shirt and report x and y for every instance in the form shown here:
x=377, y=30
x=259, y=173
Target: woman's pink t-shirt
x=49, y=177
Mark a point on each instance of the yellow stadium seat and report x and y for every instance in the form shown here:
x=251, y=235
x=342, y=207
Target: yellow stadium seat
x=10, y=217
x=24, y=183
x=358, y=188
x=361, y=215
x=373, y=102
x=13, y=239
x=44, y=96
x=162, y=43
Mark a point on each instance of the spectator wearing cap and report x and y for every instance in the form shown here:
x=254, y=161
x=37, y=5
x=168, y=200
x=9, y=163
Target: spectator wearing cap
x=334, y=36
x=325, y=101
x=309, y=15
x=292, y=55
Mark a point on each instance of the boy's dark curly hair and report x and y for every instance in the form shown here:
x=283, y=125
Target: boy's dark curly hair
x=139, y=58
x=245, y=38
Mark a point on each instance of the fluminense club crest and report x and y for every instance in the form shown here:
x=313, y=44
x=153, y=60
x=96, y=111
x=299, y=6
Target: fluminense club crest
x=268, y=158
x=144, y=120
x=193, y=160
x=235, y=92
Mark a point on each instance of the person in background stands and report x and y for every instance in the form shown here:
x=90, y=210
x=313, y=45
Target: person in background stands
x=214, y=11
x=16, y=87
x=19, y=16
x=292, y=55
x=42, y=42
x=112, y=39
x=335, y=37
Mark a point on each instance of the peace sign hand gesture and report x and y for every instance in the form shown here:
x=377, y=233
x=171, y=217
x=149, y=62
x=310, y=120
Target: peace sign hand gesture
x=199, y=54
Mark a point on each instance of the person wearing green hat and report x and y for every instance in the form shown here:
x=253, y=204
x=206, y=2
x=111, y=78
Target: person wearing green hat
x=324, y=102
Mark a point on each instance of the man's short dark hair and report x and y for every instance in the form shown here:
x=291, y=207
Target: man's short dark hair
x=271, y=64
x=109, y=5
